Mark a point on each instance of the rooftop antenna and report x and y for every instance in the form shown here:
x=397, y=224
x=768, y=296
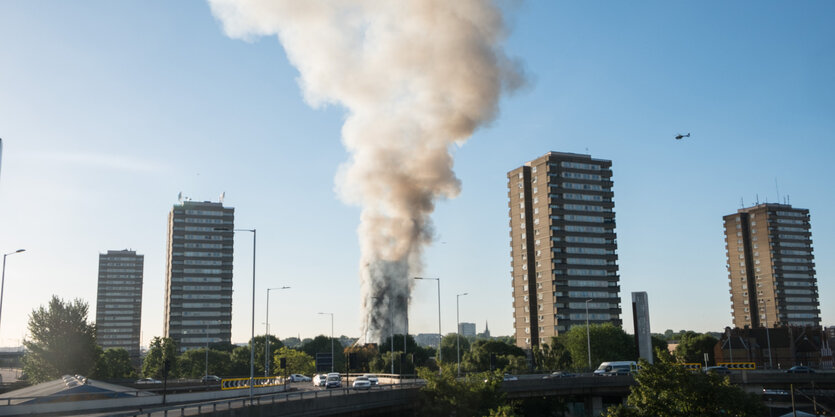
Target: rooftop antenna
x=222, y=196
x=758, y=199
x=741, y=203
x=180, y=197
x=776, y=186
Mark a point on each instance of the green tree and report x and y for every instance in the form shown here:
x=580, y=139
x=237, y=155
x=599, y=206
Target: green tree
x=365, y=355
x=162, y=349
x=608, y=343
x=659, y=345
x=551, y=356
x=692, y=346
x=322, y=344
x=114, y=364
x=239, y=362
x=62, y=341
x=292, y=342
x=192, y=363
x=416, y=355
x=449, y=348
x=298, y=362
x=668, y=390
x=473, y=395
x=477, y=359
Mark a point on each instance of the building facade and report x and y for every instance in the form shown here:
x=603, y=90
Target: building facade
x=198, y=276
x=466, y=329
x=771, y=267
x=563, y=246
x=119, y=301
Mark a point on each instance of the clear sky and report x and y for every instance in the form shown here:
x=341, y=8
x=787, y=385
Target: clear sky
x=109, y=109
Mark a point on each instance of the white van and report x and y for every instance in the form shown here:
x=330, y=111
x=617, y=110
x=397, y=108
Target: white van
x=615, y=368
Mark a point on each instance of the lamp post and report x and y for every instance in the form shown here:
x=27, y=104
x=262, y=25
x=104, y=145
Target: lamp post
x=457, y=333
x=3, y=279
x=588, y=332
x=332, y=357
x=267, y=337
x=438, y=280
x=252, y=330
x=207, y=351
x=767, y=335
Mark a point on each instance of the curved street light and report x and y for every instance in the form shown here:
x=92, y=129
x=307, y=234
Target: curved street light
x=3, y=279
x=267, y=336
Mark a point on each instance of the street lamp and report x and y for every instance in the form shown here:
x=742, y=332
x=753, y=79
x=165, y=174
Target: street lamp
x=588, y=332
x=3, y=279
x=332, y=357
x=252, y=336
x=457, y=333
x=438, y=280
x=267, y=337
x=767, y=335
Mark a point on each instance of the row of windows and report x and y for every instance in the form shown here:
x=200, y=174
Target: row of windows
x=587, y=283
x=799, y=292
x=581, y=207
x=204, y=213
x=577, y=165
x=205, y=254
x=205, y=314
x=202, y=271
x=588, y=294
x=801, y=315
x=204, y=245
x=802, y=307
x=595, y=305
x=583, y=229
x=589, y=251
x=204, y=237
x=202, y=288
x=799, y=300
x=202, y=296
x=586, y=261
x=790, y=229
x=592, y=316
x=204, y=305
x=582, y=218
x=798, y=283
x=791, y=237
x=790, y=221
x=585, y=197
x=578, y=186
x=795, y=244
x=582, y=176
x=794, y=252
x=208, y=221
x=791, y=214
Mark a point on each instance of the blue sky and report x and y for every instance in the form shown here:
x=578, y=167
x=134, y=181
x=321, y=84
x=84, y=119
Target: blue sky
x=109, y=109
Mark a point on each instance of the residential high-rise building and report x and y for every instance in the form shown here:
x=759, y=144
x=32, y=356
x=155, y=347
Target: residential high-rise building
x=119, y=301
x=563, y=246
x=771, y=267
x=198, y=275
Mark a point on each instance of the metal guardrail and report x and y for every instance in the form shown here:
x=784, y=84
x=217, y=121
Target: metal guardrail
x=228, y=404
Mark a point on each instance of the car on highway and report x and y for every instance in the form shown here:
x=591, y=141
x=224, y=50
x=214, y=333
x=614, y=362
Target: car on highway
x=298, y=378
x=333, y=381
x=361, y=382
x=210, y=378
x=721, y=370
x=148, y=381
x=615, y=368
x=559, y=374
x=509, y=377
x=372, y=378
x=799, y=369
x=320, y=380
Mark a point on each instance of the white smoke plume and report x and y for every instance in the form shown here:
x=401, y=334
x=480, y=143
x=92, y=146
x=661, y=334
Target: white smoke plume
x=416, y=77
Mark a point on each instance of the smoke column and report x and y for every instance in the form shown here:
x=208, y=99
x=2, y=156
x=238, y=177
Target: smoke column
x=416, y=77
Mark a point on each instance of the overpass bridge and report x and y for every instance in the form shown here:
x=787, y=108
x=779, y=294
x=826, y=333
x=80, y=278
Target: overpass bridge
x=588, y=393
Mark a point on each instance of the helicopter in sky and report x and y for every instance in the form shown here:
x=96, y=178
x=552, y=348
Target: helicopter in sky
x=680, y=136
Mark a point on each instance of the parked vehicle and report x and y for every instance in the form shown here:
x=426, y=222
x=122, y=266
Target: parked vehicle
x=800, y=370
x=361, y=382
x=320, y=380
x=372, y=378
x=298, y=378
x=210, y=378
x=148, y=381
x=615, y=368
x=333, y=381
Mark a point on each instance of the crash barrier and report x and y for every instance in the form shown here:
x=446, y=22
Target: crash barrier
x=241, y=383
x=692, y=366
x=738, y=365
